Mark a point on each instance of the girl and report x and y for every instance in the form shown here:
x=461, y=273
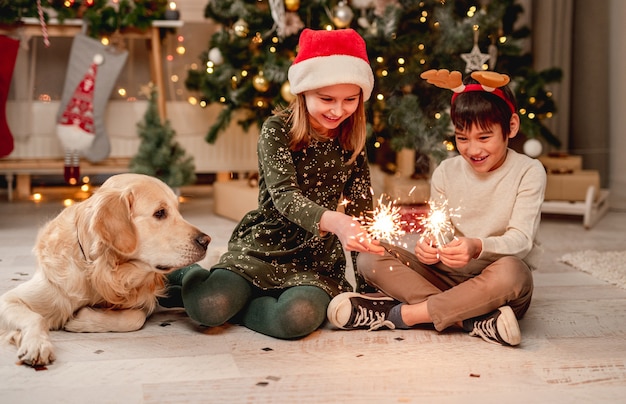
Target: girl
x=286, y=259
x=481, y=280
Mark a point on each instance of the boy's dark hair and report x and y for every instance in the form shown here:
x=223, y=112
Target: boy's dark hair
x=483, y=109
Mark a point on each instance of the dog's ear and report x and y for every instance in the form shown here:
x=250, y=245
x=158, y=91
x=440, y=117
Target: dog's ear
x=112, y=221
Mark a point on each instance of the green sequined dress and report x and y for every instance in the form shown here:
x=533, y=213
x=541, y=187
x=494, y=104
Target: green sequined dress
x=278, y=245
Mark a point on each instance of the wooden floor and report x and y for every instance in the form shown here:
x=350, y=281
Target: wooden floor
x=573, y=346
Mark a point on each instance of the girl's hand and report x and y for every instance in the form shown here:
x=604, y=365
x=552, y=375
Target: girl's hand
x=426, y=252
x=351, y=234
x=459, y=252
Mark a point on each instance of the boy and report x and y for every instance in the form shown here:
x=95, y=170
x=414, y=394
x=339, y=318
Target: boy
x=480, y=281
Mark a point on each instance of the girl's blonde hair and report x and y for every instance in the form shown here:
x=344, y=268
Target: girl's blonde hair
x=352, y=132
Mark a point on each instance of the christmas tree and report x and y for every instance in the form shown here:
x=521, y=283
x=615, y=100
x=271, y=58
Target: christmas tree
x=159, y=155
x=245, y=66
x=104, y=17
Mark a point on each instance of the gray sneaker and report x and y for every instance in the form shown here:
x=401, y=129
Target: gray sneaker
x=497, y=327
x=351, y=311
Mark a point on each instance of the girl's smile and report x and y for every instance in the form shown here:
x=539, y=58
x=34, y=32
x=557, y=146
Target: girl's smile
x=329, y=106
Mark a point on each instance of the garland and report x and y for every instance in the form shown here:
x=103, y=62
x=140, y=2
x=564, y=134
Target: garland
x=102, y=16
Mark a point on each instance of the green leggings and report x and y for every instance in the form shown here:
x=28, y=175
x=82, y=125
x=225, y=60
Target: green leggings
x=217, y=296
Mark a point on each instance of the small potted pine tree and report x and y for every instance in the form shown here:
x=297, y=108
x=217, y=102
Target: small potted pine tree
x=159, y=154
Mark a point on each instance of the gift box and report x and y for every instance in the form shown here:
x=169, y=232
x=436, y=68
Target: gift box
x=572, y=186
x=411, y=217
x=561, y=163
x=407, y=191
x=233, y=199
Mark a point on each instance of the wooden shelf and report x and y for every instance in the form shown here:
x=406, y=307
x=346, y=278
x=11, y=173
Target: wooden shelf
x=30, y=27
x=594, y=206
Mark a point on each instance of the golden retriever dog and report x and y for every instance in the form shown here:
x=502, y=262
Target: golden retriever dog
x=101, y=265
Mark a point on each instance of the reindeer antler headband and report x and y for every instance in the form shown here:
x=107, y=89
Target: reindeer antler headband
x=489, y=82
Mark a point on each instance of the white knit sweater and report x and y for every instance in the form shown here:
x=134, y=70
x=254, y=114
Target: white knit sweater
x=502, y=208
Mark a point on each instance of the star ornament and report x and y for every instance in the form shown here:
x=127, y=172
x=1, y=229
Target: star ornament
x=475, y=59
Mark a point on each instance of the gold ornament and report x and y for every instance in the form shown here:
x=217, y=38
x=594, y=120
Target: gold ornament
x=285, y=92
x=241, y=28
x=260, y=83
x=342, y=15
x=292, y=5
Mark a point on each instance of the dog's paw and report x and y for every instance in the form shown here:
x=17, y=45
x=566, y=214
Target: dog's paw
x=89, y=319
x=35, y=351
x=83, y=321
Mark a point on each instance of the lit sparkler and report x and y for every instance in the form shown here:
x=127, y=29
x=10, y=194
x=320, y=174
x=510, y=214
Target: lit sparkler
x=436, y=226
x=385, y=222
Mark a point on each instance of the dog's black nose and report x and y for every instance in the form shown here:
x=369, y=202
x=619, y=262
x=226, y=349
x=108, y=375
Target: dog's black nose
x=203, y=240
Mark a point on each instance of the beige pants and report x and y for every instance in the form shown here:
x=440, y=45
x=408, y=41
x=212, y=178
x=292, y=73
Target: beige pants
x=452, y=295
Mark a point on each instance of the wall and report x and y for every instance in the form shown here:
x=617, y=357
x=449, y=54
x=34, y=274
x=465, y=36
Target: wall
x=33, y=126
x=590, y=133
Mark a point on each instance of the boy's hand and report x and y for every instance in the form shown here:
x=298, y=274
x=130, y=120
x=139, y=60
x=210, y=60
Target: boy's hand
x=426, y=252
x=459, y=252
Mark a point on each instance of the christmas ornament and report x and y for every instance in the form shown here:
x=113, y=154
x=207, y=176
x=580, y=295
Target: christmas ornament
x=260, y=83
x=292, y=5
x=362, y=4
x=8, y=50
x=342, y=15
x=533, y=148
x=381, y=5
x=285, y=92
x=241, y=28
x=293, y=24
x=215, y=56
x=475, y=59
x=277, y=9
x=42, y=22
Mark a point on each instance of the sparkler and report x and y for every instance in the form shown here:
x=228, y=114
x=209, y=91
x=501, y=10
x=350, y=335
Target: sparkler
x=385, y=222
x=436, y=226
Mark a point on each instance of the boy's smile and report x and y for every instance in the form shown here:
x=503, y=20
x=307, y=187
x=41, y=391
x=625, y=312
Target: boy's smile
x=485, y=148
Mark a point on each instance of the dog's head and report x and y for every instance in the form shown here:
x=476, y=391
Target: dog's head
x=136, y=217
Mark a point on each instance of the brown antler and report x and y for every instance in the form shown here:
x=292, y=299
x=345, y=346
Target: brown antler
x=444, y=78
x=491, y=79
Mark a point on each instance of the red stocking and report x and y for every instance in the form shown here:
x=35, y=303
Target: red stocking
x=8, y=50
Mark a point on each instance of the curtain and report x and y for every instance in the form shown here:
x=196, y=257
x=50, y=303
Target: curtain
x=617, y=103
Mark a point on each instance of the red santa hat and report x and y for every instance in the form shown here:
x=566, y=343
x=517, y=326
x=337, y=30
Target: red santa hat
x=76, y=125
x=332, y=57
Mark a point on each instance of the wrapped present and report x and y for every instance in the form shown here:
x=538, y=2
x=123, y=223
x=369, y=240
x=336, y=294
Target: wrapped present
x=412, y=215
x=572, y=186
x=233, y=199
x=407, y=191
x=561, y=163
